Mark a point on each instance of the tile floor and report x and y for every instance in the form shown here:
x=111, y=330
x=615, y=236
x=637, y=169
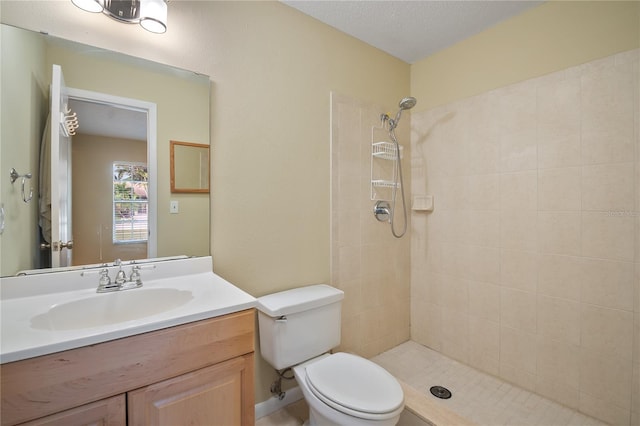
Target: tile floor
x=479, y=397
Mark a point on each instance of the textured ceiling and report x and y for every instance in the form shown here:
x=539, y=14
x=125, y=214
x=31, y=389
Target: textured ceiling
x=411, y=30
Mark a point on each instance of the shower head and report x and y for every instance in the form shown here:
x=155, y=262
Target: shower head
x=407, y=103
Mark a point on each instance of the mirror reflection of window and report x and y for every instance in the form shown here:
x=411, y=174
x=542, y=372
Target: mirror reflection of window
x=130, y=203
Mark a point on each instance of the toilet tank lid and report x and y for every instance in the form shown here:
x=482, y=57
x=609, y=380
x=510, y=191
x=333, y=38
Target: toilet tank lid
x=298, y=299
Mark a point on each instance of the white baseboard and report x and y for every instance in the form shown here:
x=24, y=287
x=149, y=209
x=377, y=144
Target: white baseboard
x=273, y=404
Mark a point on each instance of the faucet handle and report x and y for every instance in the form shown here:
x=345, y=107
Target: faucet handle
x=135, y=276
x=104, y=277
x=121, y=277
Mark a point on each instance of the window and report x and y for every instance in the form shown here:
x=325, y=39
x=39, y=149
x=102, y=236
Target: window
x=130, y=202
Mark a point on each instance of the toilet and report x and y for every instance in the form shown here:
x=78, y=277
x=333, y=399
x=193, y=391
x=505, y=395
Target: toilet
x=297, y=329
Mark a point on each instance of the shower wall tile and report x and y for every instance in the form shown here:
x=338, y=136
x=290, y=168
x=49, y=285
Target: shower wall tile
x=535, y=237
x=455, y=294
x=348, y=228
x=608, y=235
x=455, y=334
x=599, y=372
x=517, y=376
x=519, y=230
x=608, y=187
x=618, y=293
x=519, y=191
x=484, y=344
x=518, y=349
x=557, y=391
x=484, y=154
x=600, y=408
x=558, y=319
x=518, y=310
x=558, y=122
x=371, y=266
x=558, y=362
x=559, y=189
x=483, y=228
x=635, y=389
x=349, y=263
x=559, y=233
x=560, y=276
x=607, y=331
x=515, y=107
x=561, y=152
x=482, y=264
x=607, y=113
x=484, y=301
x=518, y=151
x=483, y=192
x=519, y=269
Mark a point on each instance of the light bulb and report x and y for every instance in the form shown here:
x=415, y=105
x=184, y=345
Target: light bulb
x=153, y=15
x=94, y=6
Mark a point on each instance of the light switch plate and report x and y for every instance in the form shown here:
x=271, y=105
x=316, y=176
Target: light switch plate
x=174, y=207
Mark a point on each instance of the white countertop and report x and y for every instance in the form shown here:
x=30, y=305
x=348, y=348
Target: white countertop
x=25, y=297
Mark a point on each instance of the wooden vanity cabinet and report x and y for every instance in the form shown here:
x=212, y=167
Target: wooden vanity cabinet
x=199, y=373
x=110, y=411
x=210, y=396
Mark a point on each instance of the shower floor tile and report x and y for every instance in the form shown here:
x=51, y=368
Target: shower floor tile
x=478, y=397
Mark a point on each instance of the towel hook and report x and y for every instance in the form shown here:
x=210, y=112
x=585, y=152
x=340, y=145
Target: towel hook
x=14, y=175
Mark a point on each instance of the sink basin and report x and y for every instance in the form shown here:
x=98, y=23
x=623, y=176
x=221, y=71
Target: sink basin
x=110, y=308
x=45, y=313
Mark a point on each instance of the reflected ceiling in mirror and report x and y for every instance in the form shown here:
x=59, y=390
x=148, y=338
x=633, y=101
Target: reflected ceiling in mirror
x=182, y=100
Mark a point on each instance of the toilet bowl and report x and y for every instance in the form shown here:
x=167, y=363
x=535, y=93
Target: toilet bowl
x=297, y=329
x=347, y=390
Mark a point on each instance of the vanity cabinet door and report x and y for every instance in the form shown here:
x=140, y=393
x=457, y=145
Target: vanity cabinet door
x=221, y=394
x=110, y=411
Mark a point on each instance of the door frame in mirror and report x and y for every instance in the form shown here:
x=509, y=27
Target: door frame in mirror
x=151, y=110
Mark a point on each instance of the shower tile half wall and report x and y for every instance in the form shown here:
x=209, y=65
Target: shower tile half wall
x=529, y=266
x=367, y=262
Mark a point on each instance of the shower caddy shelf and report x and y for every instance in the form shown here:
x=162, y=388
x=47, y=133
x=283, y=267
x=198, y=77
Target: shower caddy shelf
x=385, y=151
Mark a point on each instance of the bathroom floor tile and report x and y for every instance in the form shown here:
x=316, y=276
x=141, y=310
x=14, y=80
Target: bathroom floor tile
x=478, y=397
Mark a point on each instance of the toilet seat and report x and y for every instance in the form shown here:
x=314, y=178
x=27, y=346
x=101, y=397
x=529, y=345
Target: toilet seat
x=355, y=386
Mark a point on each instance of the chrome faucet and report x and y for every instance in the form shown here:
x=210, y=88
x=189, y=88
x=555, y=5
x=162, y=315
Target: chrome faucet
x=121, y=277
x=104, y=283
x=121, y=282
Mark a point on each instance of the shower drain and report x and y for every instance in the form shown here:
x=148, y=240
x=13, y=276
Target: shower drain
x=440, y=392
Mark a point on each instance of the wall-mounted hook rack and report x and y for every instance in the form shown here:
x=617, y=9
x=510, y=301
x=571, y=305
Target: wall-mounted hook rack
x=14, y=175
x=69, y=121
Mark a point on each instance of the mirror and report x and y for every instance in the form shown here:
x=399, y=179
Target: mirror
x=189, y=167
x=182, y=105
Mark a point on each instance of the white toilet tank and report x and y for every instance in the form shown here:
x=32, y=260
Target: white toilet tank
x=299, y=324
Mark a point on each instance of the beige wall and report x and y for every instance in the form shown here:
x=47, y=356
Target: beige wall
x=547, y=38
x=528, y=267
x=24, y=109
x=93, y=158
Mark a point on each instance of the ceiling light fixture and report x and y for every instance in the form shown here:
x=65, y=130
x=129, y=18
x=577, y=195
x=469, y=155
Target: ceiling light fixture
x=150, y=14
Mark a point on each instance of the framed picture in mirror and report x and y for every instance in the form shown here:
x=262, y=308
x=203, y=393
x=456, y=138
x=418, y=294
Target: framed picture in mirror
x=189, y=164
